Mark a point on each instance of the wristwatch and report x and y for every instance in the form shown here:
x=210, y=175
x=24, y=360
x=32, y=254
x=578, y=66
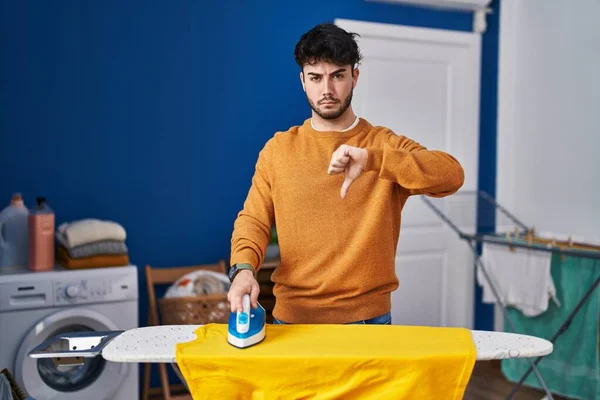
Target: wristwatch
x=233, y=271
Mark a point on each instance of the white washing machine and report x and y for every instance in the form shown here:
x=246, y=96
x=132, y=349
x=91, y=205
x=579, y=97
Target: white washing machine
x=35, y=306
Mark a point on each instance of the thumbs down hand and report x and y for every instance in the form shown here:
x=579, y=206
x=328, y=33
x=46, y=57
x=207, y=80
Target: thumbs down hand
x=351, y=161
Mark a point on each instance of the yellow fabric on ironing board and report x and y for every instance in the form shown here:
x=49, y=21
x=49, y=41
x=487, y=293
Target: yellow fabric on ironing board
x=330, y=362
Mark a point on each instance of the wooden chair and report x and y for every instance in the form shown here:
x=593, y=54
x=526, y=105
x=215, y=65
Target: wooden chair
x=165, y=276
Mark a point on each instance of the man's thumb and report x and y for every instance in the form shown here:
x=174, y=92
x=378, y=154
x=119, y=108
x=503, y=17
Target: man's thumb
x=345, y=186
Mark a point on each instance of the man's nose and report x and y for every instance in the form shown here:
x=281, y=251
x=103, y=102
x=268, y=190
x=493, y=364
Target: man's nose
x=327, y=87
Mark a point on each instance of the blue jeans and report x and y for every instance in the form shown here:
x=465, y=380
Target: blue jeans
x=385, y=319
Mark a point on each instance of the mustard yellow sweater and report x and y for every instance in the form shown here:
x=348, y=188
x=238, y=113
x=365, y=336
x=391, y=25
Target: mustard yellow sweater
x=337, y=255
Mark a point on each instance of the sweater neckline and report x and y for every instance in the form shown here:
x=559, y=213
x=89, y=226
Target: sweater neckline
x=307, y=127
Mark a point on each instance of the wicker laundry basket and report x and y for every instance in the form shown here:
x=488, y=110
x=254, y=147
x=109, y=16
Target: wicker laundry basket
x=194, y=310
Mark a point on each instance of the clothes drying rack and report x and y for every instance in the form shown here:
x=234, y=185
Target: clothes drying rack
x=477, y=218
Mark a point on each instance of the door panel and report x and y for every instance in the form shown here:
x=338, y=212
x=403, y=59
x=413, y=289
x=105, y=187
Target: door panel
x=417, y=301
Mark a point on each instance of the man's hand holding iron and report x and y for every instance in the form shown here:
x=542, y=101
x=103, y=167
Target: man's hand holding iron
x=243, y=283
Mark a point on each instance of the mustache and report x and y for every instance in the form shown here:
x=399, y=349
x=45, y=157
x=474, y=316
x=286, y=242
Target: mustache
x=329, y=99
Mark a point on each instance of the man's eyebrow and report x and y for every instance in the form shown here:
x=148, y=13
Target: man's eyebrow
x=333, y=73
x=338, y=71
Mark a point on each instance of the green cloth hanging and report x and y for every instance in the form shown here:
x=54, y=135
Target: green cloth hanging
x=572, y=370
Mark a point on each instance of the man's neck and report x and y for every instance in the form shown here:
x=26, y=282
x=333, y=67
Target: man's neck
x=338, y=124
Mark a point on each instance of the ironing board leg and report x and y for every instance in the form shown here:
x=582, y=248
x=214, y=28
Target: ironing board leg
x=180, y=375
x=479, y=264
x=559, y=332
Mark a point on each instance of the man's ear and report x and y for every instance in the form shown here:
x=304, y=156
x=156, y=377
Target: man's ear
x=302, y=80
x=355, y=74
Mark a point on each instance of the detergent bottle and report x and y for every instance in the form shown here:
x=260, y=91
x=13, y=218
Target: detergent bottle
x=41, y=237
x=13, y=234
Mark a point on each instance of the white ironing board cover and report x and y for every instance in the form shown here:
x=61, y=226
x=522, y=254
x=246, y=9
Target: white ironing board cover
x=157, y=344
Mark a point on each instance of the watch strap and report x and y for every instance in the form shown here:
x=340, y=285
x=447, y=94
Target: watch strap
x=244, y=266
x=241, y=267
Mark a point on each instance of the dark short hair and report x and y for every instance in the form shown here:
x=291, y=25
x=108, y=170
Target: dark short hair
x=329, y=43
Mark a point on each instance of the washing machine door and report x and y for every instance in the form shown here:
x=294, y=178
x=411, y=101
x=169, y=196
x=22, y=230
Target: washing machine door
x=42, y=379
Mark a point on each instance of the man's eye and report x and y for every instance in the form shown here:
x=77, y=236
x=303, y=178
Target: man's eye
x=314, y=78
x=338, y=76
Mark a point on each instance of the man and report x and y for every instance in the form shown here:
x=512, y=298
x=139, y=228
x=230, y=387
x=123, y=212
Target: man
x=334, y=187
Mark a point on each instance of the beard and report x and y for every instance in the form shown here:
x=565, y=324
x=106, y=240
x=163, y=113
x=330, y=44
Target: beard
x=335, y=113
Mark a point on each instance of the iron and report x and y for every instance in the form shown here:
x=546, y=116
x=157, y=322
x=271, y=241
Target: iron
x=246, y=328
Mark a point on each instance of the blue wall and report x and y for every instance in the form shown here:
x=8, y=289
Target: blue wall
x=152, y=113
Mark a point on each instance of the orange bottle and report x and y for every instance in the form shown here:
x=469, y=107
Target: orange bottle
x=41, y=237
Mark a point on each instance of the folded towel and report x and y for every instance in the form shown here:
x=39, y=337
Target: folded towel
x=521, y=276
x=89, y=230
x=102, y=247
x=90, y=262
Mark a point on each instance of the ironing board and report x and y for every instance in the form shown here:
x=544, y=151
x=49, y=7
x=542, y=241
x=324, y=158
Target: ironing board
x=157, y=344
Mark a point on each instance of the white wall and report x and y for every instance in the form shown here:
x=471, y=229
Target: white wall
x=549, y=114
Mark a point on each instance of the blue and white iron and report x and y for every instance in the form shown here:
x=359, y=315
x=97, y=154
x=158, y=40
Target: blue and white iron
x=248, y=327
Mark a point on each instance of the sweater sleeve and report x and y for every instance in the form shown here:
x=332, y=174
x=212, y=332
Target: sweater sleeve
x=252, y=227
x=414, y=167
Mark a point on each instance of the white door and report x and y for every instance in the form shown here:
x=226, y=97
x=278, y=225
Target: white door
x=424, y=84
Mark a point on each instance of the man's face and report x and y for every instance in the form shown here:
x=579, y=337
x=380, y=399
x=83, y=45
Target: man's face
x=328, y=88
